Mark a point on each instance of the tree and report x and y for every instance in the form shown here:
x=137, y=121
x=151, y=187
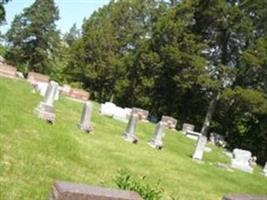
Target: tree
x=33, y=37
x=73, y=35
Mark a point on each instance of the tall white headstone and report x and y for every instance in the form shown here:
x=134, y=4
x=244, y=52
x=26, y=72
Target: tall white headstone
x=200, y=148
x=241, y=160
x=85, y=122
x=265, y=169
x=156, y=142
x=45, y=109
x=129, y=134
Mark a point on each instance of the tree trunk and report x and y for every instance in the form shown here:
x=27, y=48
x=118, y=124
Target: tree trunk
x=209, y=114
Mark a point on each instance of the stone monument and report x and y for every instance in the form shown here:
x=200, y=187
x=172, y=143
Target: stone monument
x=85, y=122
x=241, y=160
x=187, y=127
x=129, y=134
x=265, y=169
x=45, y=109
x=71, y=191
x=156, y=142
x=200, y=148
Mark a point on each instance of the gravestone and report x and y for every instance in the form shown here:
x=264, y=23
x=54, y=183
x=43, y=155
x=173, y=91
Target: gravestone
x=187, y=127
x=241, y=159
x=120, y=114
x=142, y=114
x=170, y=122
x=193, y=135
x=8, y=71
x=129, y=134
x=45, y=110
x=156, y=142
x=85, y=122
x=107, y=109
x=244, y=197
x=79, y=94
x=39, y=81
x=200, y=147
x=71, y=191
x=265, y=169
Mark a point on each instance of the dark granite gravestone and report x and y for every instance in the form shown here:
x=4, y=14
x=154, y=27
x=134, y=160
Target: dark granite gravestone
x=244, y=197
x=70, y=191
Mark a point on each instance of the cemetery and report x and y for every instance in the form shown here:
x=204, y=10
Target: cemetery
x=62, y=152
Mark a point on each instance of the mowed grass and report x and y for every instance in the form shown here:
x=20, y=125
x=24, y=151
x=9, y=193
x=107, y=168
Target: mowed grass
x=34, y=154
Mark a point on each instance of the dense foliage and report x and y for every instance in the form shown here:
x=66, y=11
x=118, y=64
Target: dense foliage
x=196, y=60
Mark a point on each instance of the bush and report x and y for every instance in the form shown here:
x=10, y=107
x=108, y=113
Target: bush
x=126, y=182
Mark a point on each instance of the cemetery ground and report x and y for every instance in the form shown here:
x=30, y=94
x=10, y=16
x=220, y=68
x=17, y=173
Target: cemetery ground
x=34, y=154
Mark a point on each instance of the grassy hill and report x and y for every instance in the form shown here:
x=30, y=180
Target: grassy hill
x=33, y=154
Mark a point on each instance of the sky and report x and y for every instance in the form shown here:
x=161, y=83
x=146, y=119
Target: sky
x=71, y=11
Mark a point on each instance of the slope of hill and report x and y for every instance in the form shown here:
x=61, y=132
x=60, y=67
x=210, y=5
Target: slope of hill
x=33, y=154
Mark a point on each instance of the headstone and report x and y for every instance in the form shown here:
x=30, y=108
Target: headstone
x=265, y=169
x=244, y=197
x=45, y=109
x=241, y=159
x=79, y=94
x=169, y=121
x=129, y=134
x=187, y=127
x=156, y=142
x=8, y=71
x=107, y=109
x=38, y=81
x=85, y=122
x=193, y=135
x=71, y=191
x=142, y=114
x=200, y=148
x=120, y=114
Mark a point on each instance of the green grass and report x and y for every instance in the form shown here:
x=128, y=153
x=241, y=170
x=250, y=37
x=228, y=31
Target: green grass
x=33, y=154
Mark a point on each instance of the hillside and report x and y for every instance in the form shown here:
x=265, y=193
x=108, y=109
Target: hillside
x=33, y=154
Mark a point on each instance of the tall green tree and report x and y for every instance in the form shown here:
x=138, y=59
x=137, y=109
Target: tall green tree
x=33, y=37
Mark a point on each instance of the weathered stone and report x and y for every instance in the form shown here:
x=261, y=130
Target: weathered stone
x=265, y=169
x=107, y=109
x=244, y=197
x=45, y=110
x=34, y=78
x=187, y=127
x=170, y=122
x=193, y=135
x=156, y=142
x=79, y=94
x=8, y=71
x=71, y=191
x=85, y=122
x=200, y=147
x=241, y=159
x=142, y=114
x=129, y=134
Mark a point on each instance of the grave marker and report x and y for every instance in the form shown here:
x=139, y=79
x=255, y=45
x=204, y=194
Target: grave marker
x=156, y=142
x=85, y=122
x=129, y=134
x=241, y=160
x=200, y=147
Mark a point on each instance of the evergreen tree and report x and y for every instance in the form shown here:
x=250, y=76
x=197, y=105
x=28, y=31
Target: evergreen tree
x=33, y=37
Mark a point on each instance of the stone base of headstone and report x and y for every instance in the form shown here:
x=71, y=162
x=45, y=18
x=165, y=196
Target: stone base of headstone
x=130, y=138
x=241, y=166
x=86, y=128
x=46, y=112
x=244, y=197
x=156, y=145
x=70, y=191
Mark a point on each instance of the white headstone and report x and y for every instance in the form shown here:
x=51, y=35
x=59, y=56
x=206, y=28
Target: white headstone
x=156, y=142
x=85, y=122
x=107, y=109
x=129, y=134
x=120, y=114
x=200, y=148
x=265, y=169
x=241, y=160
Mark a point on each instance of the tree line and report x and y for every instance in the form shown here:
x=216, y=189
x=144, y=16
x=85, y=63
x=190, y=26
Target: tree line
x=201, y=61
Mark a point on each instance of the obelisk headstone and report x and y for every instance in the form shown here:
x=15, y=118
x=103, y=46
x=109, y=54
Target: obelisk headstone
x=156, y=142
x=201, y=143
x=129, y=134
x=45, y=109
x=85, y=122
x=265, y=169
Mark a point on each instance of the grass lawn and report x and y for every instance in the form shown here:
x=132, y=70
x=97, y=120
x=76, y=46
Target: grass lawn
x=33, y=154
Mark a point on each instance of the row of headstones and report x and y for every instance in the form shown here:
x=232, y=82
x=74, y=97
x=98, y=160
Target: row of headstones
x=45, y=110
